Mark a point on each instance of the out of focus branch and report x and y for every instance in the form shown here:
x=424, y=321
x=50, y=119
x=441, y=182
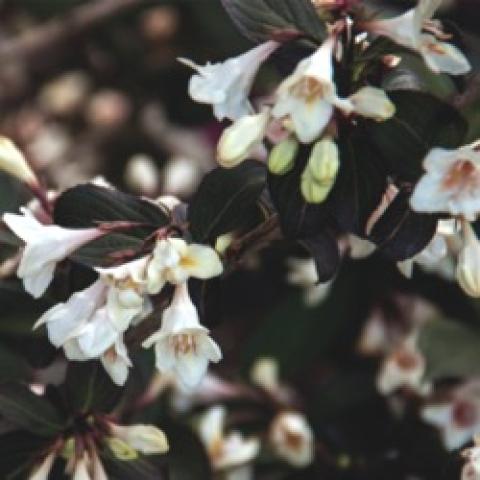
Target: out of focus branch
x=40, y=40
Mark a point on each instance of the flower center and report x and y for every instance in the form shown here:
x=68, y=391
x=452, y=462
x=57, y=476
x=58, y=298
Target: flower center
x=464, y=414
x=406, y=360
x=463, y=174
x=310, y=89
x=183, y=344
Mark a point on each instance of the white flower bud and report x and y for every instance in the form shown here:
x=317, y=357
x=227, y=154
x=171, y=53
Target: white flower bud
x=121, y=449
x=264, y=373
x=146, y=439
x=13, y=162
x=240, y=138
x=468, y=266
x=373, y=103
x=282, y=156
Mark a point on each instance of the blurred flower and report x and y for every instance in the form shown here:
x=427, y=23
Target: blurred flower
x=404, y=367
x=65, y=94
x=181, y=176
x=303, y=273
x=121, y=449
x=471, y=470
x=321, y=171
x=146, y=439
x=175, y=261
x=13, y=162
x=226, y=452
x=142, y=175
x=359, y=247
x=241, y=138
x=50, y=145
x=292, y=439
x=407, y=30
x=160, y=23
x=451, y=183
x=264, y=374
x=108, y=109
x=45, y=246
x=82, y=467
x=226, y=86
x=183, y=347
x=468, y=265
x=457, y=419
x=42, y=471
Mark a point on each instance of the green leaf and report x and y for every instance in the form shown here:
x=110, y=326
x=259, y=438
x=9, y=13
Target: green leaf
x=226, y=200
x=141, y=468
x=450, y=349
x=261, y=20
x=88, y=387
x=87, y=205
x=28, y=411
x=13, y=366
x=420, y=123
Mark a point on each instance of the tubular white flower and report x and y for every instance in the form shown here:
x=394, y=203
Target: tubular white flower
x=292, y=439
x=45, y=246
x=175, y=261
x=241, y=138
x=13, y=162
x=82, y=468
x=42, y=471
x=116, y=362
x=451, y=183
x=308, y=96
x=226, y=86
x=183, y=347
x=225, y=451
x=373, y=103
x=146, y=439
x=468, y=265
x=407, y=30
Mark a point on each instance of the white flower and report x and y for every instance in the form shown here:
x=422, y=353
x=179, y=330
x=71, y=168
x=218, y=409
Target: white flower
x=175, y=261
x=302, y=272
x=451, y=183
x=183, y=347
x=458, y=419
x=471, y=470
x=13, y=162
x=116, y=362
x=308, y=96
x=404, y=367
x=42, y=471
x=468, y=265
x=81, y=468
x=373, y=103
x=292, y=439
x=45, y=246
x=97, y=467
x=146, y=439
x=241, y=138
x=225, y=451
x=407, y=30
x=226, y=86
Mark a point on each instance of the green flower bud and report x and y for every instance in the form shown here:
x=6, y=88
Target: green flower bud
x=324, y=161
x=282, y=156
x=122, y=450
x=313, y=191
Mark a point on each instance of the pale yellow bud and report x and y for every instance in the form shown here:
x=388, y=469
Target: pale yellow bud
x=324, y=161
x=240, y=138
x=120, y=449
x=223, y=242
x=144, y=438
x=13, y=162
x=312, y=191
x=282, y=156
x=373, y=103
x=468, y=266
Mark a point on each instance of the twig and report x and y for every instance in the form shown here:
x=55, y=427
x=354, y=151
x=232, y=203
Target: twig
x=45, y=37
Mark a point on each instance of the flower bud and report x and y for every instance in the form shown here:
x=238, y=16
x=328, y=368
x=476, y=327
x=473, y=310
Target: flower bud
x=312, y=191
x=144, y=438
x=373, y=103
x=120, y=449
x=282, y=156
x=223, y=242
x=324, y=161
x=468, y=266
x=13, y=162
x=240, y=138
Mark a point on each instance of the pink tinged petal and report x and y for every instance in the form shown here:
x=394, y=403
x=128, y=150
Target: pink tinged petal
x=42, y=472
x=97, y=467
x=116, y=363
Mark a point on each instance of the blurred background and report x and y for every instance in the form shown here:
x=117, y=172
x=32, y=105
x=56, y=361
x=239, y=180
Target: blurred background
x=91, y=88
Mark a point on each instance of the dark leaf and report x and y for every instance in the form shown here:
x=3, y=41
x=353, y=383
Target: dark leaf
x=324, y=250
x=28, y=411
x=298, y=218
x=421, y=122
x=401, y=233
x=87, y=205
x=88, y=387
x=141, y=468
x=450, y=349
x=13, y=366
x=226, y=200
x=261, y=20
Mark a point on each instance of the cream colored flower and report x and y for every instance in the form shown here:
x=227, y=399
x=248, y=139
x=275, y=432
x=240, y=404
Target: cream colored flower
x=146, y=439
x=13, y=162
